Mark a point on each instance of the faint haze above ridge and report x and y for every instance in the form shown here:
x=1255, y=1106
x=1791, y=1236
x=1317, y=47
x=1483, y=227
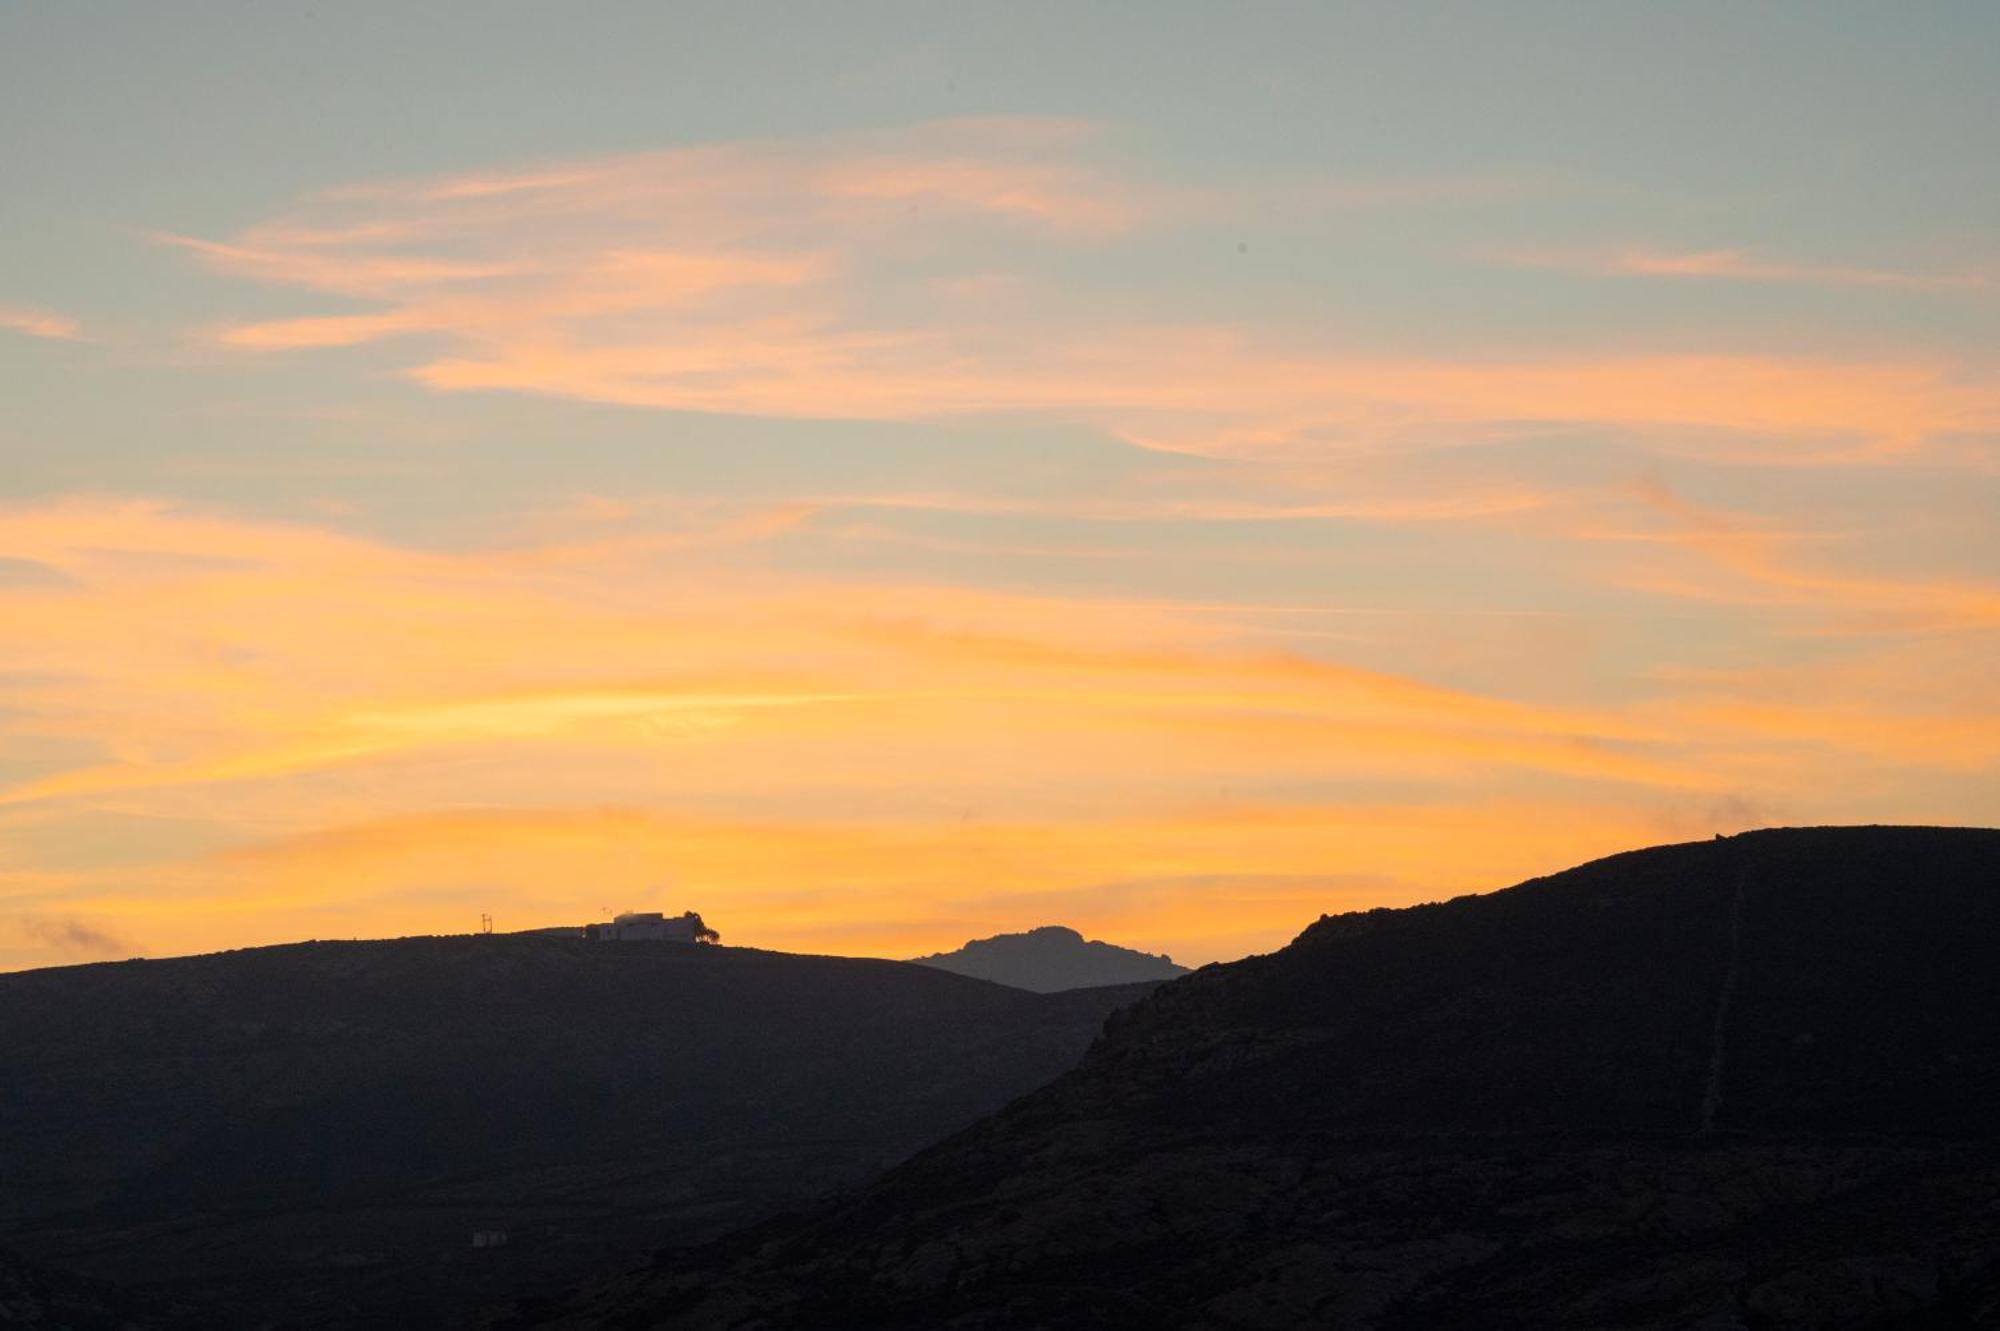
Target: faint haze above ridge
x=898, y=482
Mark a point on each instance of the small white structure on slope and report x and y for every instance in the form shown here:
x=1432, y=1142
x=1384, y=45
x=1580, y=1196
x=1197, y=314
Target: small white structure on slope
x=650, y=926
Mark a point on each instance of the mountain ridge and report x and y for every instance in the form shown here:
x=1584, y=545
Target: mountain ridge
x=1734, y=1084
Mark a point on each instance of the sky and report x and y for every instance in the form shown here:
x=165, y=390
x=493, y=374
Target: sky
x=881, y=475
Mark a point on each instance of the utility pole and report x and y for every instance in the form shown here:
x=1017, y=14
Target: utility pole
x=485, y=923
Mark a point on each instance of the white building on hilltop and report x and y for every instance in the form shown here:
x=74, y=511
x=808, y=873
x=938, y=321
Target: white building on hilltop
x=650, y=926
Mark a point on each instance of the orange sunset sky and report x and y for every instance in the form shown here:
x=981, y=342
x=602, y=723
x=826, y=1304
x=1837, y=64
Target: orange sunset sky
x=883, y=475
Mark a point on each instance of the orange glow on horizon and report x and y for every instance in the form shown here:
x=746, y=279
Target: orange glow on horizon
x=878, y=537
x=373, y=733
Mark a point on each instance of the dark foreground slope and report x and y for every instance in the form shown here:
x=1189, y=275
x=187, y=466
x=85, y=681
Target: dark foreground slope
x=1052, y=958
x=314, y=1133
x=32, y=1296
x=1736, y=1084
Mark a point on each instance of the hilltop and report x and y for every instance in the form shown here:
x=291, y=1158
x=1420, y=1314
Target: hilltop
x=310, y=1134
x=1052, y=958
x=1745, y=1083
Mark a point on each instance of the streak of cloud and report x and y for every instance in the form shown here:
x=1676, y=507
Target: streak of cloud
x=72, y=937
x=40, y=323
x=1764, y=566
x=1739, y=265
x=831, y=279
x=841, y=760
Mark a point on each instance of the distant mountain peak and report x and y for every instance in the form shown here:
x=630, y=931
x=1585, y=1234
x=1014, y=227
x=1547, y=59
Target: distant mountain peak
x=1052, y=957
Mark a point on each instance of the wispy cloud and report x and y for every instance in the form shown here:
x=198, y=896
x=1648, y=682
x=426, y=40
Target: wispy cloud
x=1766, y=565
x=842, y=760
x=1384, y=508
x=929, y=274
x=293, y=650
x=1740, y=265
x=72, y=937
x=40, y=323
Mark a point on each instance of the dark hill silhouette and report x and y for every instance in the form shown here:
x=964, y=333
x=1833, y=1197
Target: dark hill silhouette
x=312, y=1133
x=34, y=1296
x=1052, y=958
x=1746, y=1083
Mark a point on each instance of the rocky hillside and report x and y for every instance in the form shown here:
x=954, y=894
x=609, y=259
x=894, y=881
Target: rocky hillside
x=312, y=1134
x=1053, y=958
x=1746, y=1083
